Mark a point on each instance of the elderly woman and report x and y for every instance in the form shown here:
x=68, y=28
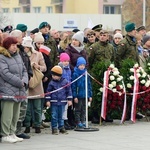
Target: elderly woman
x=13, y=80
x=34, y=102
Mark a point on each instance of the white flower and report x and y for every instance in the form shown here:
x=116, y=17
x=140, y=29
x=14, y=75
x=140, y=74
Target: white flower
x=138, y=70
x=112, y=78
x=131, y=77
x=110, y=86
x=115, y=73
x=148, y=81
x=136, y=65
x=142, y=81
x=118, y=79
x=129, y=85
x=121, y=87
x=121, y=77
x=101, y=89
x=144, y=75
x=147, y=84
x=114, y=90
x=113, y=83
x=148, y=64
x=115, y=69
x=131, y=70
x=138, y=74
x=112, y=66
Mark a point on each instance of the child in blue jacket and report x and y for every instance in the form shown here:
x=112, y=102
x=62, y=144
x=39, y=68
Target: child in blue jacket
x=57, y=100
x=78, y=91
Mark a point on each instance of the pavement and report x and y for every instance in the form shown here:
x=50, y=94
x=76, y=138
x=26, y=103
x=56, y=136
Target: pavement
x=111, y=136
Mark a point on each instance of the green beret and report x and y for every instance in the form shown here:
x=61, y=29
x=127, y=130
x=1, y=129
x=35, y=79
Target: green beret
x=130, y=27
x=97, y=27
x=140, y=28
x=43, y=24
x=21, y=27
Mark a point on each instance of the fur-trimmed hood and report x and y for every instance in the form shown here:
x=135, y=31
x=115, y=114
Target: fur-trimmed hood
x=4, y=52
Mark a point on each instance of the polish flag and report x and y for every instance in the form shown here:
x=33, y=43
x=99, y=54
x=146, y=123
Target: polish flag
x=44, y=49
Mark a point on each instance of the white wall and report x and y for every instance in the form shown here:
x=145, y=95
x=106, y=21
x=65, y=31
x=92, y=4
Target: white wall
x=58, y=21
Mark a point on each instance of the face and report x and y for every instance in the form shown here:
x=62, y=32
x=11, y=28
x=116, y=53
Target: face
x=38, y=44
x=19, y=39
x=148, y=44
x=103, y=37
x=65, y=35
x=56, y=77
x=145, y=54
x=56, y=35
x=132, y=33
x=82, y=67
x=142, y=32
x=32, y=35
x=91, y=38
x=65, y=63
x=24, y=34
x=13, y=48
x=45, y=30
x=26, y=49
x=75, y=43
x=117, y=40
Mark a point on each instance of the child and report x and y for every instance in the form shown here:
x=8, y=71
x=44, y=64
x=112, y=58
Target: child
x=78, y=90
x=64, y=63
x=58, y=99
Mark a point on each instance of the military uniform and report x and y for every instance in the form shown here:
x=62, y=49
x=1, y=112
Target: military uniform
x=127, y=49
x=101, y=51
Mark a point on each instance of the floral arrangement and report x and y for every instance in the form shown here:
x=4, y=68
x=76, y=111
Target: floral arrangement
x=115, y=97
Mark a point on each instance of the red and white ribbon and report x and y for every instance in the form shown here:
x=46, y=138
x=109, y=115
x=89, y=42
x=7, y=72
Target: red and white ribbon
x=105, y=93
x=135, y=94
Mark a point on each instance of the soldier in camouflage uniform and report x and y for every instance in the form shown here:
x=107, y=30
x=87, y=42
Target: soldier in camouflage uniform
x=127, y=48
x=102, y=50
x=49, y=42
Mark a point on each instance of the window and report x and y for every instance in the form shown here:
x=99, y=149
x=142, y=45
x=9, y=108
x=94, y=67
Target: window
x=49, y=9
x=37, y=9
x=5, y=10
x=16, y=10
x=111, y=9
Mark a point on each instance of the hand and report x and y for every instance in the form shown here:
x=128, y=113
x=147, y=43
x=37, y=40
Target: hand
x=76, y=100
x=48, y=104
x=45, y=79
x=36, y=66
x=69, y=103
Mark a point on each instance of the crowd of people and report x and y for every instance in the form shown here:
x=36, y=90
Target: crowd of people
x=60, y=57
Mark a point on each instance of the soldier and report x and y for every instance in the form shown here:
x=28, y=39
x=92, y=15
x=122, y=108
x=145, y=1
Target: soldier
x=128, y=46
x=141, y=30
x=44, y=27
x=97, y=29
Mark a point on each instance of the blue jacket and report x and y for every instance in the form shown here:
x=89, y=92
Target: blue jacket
x=78, y=87
x=60, y=97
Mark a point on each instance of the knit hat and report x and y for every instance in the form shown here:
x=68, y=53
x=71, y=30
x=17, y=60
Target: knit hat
x=130, y=27
x=38, y=37
x=146, y=38
x=64, y=57
x=118, y=35
x=79, y=36
x=44, y=49
x=56, y=70
x=43, y=24
x=81, y=61
x=21, y=27
x=36, y=30
x=27, y=42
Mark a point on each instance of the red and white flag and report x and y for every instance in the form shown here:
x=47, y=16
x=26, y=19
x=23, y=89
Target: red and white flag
x=44, y=49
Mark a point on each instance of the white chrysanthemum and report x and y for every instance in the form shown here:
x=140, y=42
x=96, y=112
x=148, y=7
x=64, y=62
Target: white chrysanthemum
x=138, y=70
x=112, y=66
x=101, y=89
x=144, y=75
x=136, y=65
x=118, y=79
x=131, y=70
x=131, y=77
x=142, y=81
x=121, y=87
x=114, y=90
x=115, y=69
x=148, y=64
x=112, y=78
x=129, y=85
x=113, y=83
x=115, y=73
x=139, y=75
x=148, y=81
x=147, y=84
x=110, y=86
x=121, y=77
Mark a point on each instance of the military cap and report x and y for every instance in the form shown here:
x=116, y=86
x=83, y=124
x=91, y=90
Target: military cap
x=130, y=27
x=103, y=32
x=97, y=27
x=75, y=30
x=21, y=27
x=36, y=30
x=43, y=24
x=8, y=28
x=140, y=28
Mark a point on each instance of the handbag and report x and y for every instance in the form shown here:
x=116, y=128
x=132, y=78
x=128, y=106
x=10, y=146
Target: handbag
x=36, y=79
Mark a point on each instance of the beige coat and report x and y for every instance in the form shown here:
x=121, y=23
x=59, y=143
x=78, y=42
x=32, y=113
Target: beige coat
x=38, y=58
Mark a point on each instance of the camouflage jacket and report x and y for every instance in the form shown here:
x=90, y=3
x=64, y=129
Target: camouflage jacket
x=127, y=49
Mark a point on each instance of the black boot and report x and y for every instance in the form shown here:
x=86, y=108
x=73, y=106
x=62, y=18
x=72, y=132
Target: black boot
x=27, y=130
x=37, y=130
x=66, y=125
